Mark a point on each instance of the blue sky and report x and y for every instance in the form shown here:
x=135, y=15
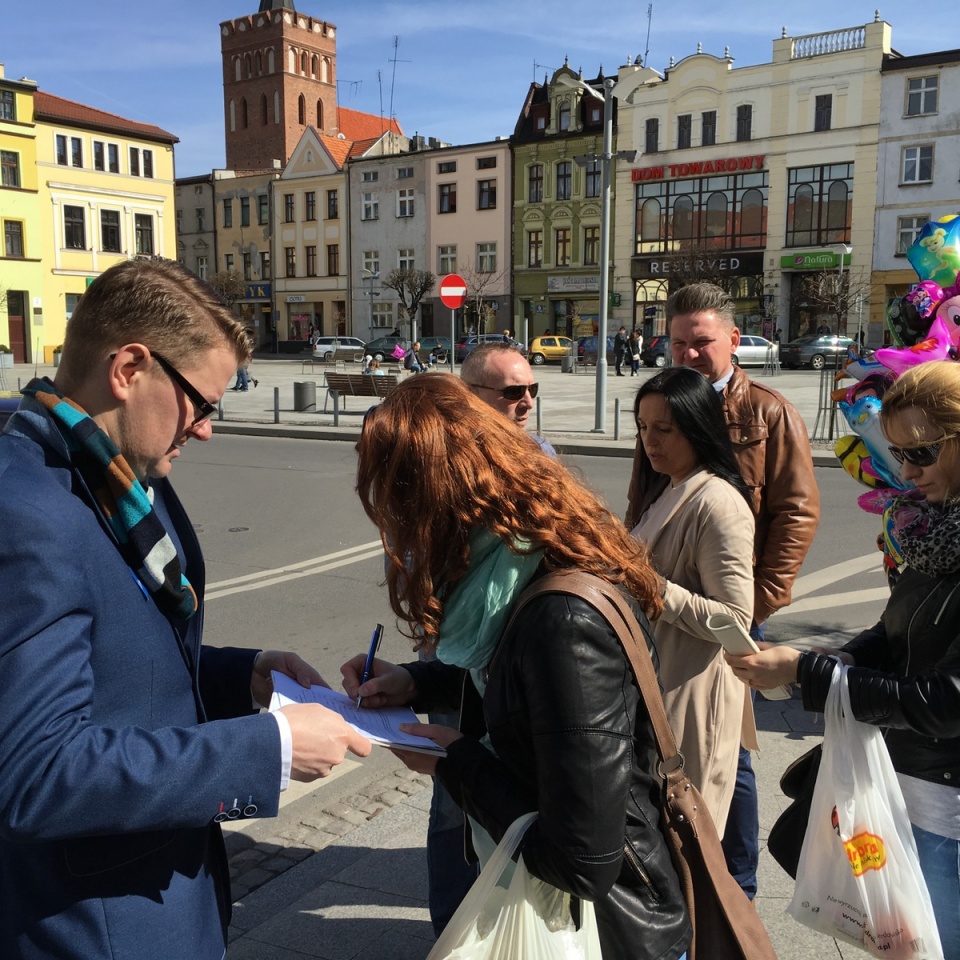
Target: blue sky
x=462, y=69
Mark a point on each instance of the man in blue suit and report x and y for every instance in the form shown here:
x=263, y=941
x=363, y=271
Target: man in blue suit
x=123, y=742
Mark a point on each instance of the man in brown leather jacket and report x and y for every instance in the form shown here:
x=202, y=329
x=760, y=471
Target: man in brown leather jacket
x=773, y=452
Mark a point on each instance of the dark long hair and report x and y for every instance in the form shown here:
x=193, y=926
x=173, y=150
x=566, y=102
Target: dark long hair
x=697, y=412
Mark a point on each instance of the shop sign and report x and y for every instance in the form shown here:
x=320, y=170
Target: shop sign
x=257, y=291
x=819, y=260
x=740, y=265
x=296, y=298
x=573, y=284
x=697, y=168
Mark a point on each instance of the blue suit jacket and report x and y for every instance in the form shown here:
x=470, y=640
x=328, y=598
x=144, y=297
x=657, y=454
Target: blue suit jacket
x=120, y=738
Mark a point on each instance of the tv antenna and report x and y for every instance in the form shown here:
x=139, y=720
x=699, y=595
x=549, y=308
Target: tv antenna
x=537, y=66
x=646, y=53
x=393, y=79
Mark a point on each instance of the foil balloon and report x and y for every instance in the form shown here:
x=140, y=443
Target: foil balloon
x=864, y=419
x=938, y=345
x=935, y=254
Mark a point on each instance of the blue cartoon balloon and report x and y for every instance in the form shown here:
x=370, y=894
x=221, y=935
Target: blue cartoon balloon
x=935, y=254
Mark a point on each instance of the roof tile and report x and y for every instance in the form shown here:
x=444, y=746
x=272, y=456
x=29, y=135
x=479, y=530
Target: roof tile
x=46, y=106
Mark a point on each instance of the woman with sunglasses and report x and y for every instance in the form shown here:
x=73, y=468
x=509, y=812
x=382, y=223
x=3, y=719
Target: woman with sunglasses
x=551, y=719
x=907, y=666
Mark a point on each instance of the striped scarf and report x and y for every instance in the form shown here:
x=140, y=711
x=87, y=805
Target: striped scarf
x=126, y=503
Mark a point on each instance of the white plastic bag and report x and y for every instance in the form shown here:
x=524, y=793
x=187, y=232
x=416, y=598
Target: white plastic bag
x=859, y=876
x=526, y=920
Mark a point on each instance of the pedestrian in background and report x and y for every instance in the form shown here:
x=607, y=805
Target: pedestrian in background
x=620, y=346
x=635, y=346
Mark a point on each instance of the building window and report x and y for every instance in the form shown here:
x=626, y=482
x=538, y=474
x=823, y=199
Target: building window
x=405, y=203
x=744, y=122
x=74, y=228
x=684, y=131
x=921, y=96
x=486, y=194
x=9, y=168
x=228, y=262
x=908, y=229
x=310, y=255
x=447, y=198
x=134, y=162
x=486, y=163
x=708, y=128
x=382, y=315
x=290, y=254
x=76, y=152
x=563, y=247
x=404, y=173
x=301, y=109
x=263, y=209
x=148, y=163
x=591, y=246
x=228, y=213
x=248, y=266
x=244, y=211
x=113, y=158
x=61, y=146
x=535, y=248
x=201, y=219
x=143, y=225
x=406, y=259
x=822, y=112
x=652, y=136
x=202, y=268
x=917, y=164
x=265, y=265
x=179, y=221
x=8, y=107
x=98, y=158
x=819, y=204
x=289, y=208
x=333, y=205
x=13, y=238
x=541, y=122
x=371, y=261
x=333, y=260
x=110, y=231
x=535, y=183
x=370, y=209
x=370, y=176
x=564, y=180
x=310, y=200
x=486, y=258
x=447, y=259
x=593, y=179
x=563, y=116
x=447, y=166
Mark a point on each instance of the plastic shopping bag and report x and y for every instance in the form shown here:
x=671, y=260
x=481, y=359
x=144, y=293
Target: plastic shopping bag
x=525, y=920
x=859, y=877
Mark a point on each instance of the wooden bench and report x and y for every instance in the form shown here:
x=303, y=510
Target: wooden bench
x=339, y=357
x=358, y=385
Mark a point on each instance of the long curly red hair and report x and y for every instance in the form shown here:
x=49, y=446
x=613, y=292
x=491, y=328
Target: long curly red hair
x=436, y=463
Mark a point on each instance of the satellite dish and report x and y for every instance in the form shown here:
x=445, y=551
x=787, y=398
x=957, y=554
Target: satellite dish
x=341, y=136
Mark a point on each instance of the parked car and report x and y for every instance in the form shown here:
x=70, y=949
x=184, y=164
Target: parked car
x=324, y=348
x=753, y=351
x=813, y=351
x=7, y=406
x=654, y=352
x=466, y=344
x=546, y=348
x=382, y=348
x=587, y=350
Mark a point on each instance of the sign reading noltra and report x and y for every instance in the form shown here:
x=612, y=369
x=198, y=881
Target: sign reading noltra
x=698, y=168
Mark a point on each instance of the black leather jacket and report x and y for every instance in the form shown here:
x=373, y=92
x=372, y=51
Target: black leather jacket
x=907, y=676
x=572, y=741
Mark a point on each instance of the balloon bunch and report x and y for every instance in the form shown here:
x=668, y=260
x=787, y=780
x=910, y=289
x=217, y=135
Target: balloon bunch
x=925, y=324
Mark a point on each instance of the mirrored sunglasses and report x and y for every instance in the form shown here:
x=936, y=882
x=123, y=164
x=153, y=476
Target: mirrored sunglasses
x=924, y=456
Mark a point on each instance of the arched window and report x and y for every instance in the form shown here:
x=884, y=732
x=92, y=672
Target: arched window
x=682, y=218
x=837, y=212
x=259, y=62
x=751, y=218
x=263, y=109
x=236, y=68
x=271, y=61
x=717, y=215
x=276, y=106
x=292, y=68
x=319, y=114
x=650, y=221
x=243, y=112
x=563, y=116
x=303, y=64
x=301, y=110
x=233, y=116
x=325, y=70
x=246, y=65
x=314, y=66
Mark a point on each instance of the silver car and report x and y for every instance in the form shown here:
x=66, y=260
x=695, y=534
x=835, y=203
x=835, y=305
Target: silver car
x=754, y=351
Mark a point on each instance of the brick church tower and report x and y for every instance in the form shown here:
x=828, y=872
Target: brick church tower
x=279, y=76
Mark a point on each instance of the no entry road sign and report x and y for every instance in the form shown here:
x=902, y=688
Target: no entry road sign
x=453, y=291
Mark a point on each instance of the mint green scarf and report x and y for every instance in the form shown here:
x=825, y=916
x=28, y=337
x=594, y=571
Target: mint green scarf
x=476, y=612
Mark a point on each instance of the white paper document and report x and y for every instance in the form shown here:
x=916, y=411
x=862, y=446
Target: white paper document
x=379, y=726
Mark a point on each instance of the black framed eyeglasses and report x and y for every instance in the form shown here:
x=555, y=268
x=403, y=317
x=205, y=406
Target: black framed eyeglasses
x=205, y=409
x=925, y=456
x=513, y=393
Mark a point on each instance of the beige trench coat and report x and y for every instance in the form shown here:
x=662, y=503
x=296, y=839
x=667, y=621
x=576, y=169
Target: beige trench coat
x=704, y=550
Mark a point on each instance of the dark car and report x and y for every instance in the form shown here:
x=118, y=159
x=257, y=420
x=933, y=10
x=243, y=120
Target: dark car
x=7, y=406
x=813, y=351
x=382, y=348
x=466, y=344
x=587, y=350
x=654, y=352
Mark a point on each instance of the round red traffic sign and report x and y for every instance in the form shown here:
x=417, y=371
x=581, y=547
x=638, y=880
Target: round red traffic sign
x=453, y=291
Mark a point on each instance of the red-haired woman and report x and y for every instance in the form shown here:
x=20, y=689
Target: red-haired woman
x=471, y=512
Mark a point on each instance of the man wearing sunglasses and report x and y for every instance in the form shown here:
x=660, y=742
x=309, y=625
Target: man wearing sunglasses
x=124, y=743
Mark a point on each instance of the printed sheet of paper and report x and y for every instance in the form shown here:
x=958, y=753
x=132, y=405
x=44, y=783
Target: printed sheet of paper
x=378, y=726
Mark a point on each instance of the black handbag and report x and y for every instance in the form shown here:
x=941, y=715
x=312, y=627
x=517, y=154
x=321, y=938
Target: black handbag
x=786, y=835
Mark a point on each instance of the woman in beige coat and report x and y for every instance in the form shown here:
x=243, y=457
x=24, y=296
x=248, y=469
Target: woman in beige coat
x=700, y=535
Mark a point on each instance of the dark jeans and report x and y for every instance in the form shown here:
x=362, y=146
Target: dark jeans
x=741, y=839
x=242, y=379
x=619, y=355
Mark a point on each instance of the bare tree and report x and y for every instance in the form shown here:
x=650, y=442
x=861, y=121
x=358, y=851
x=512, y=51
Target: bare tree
x=411, y=286
x=481, y=285
x=825, y=295
x=229, y=285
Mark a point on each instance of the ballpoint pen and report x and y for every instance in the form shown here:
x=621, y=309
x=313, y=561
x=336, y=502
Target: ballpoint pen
x=371, y=653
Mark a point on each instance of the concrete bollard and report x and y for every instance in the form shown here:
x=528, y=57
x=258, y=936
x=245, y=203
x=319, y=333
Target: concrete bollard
x=276, y=404
x=616, y=419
